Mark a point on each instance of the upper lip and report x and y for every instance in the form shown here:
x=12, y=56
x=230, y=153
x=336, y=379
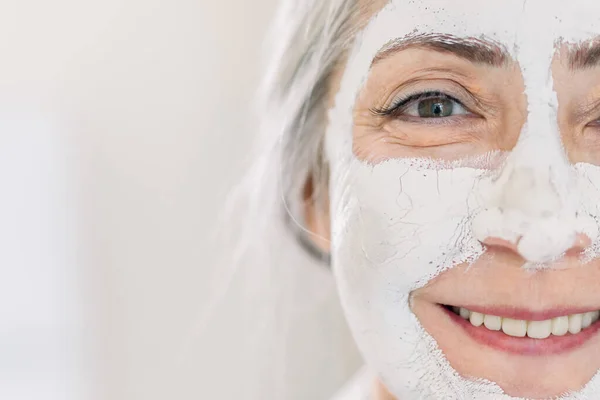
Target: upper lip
x=496, y=284
x=522, y=313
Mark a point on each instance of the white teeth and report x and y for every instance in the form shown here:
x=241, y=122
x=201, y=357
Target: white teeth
x=492, y=322
x=476, y=318
x=575, y=323
x=539, y=329
x=558, y=326
x=586, y=320
x=514, y=327
x=464, y=313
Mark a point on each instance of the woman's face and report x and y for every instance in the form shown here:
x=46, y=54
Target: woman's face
x=464, y=145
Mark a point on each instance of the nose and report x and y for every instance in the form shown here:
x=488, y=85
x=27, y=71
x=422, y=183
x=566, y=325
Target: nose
x=580, y=242
x=528, y=215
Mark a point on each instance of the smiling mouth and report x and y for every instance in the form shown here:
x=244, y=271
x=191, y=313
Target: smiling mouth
x=531, y=337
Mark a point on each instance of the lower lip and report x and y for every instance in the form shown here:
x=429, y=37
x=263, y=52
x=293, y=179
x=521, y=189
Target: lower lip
x=525, y=345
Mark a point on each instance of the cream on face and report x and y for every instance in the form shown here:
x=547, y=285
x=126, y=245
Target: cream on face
x=399, y=223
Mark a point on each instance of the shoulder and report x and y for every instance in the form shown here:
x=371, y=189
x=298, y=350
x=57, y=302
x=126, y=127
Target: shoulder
x=357, y=388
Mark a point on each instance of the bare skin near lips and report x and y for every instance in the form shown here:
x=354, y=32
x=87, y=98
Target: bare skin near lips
x=498, y=287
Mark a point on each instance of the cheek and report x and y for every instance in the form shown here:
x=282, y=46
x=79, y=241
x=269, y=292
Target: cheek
x=402, y=222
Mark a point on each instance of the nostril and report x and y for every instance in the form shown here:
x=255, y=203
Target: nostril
x=501, y=243
x=581, y=242
x=538, y=240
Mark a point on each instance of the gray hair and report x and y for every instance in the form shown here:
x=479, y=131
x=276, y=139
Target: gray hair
x=310, y=39
x=289, y=291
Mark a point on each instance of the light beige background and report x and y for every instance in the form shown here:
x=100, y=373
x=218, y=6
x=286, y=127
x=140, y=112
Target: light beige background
x=154, y=97
x=166, y=98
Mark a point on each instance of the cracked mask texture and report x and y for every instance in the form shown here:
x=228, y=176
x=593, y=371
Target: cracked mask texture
x=399, y=223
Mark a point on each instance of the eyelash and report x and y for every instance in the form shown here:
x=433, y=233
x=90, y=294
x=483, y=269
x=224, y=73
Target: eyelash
x=401, y=104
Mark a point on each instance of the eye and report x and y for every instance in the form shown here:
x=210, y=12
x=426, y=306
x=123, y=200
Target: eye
x=434, y=107
x=425, y=105
x=595, y=123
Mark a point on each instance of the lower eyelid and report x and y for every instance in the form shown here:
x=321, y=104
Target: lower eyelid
x=454, y=120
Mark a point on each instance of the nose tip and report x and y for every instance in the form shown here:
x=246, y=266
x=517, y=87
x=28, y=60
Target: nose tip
x=580, y=243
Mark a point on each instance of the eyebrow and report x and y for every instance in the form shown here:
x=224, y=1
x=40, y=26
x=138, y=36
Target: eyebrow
x=475, y=50
x=585, y=55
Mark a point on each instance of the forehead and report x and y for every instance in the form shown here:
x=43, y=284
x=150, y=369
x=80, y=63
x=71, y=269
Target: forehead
x=516, y=25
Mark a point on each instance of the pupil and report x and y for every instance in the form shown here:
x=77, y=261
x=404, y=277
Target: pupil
x=435, y=108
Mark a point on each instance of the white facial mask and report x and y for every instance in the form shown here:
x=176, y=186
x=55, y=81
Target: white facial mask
x=398, y=224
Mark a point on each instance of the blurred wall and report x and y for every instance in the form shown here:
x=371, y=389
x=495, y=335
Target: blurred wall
x=163, y=100
x=155, y=97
